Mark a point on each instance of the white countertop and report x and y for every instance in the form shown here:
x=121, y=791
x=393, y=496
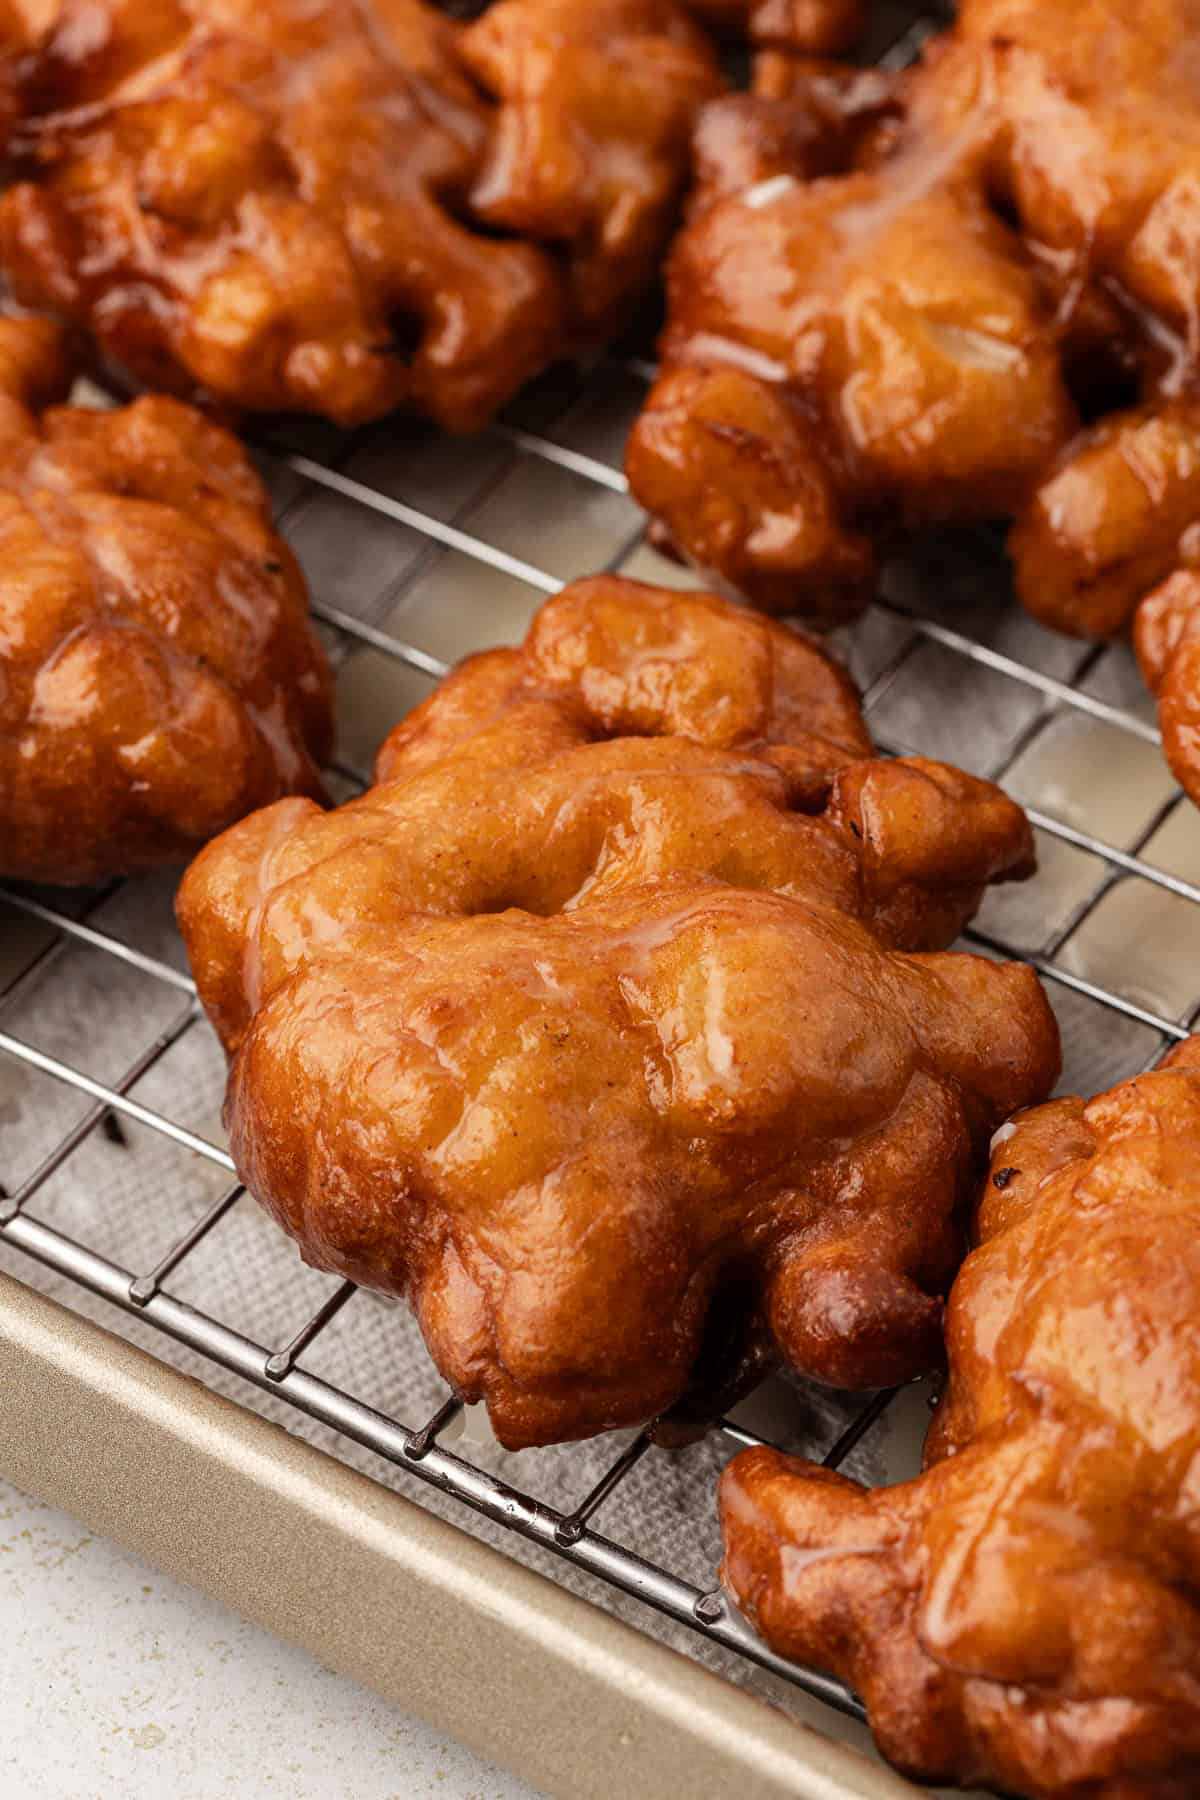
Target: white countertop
x=121, y=1684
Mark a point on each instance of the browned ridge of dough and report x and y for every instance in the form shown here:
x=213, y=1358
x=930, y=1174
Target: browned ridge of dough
x=971, y=290
x=1026, y=1613
x=159, y=676
x=609, y=1022
x=346, y=206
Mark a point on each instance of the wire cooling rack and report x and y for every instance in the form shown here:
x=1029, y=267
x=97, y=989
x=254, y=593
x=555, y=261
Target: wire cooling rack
x=417, y=551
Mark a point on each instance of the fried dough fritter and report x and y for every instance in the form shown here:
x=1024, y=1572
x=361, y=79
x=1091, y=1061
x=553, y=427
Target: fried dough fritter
x=593, y=1029
x=304, y=205
x=1024, y=1614
x=158, y=674
x=1167, y=639
x=972, y=292
x=1119, y=520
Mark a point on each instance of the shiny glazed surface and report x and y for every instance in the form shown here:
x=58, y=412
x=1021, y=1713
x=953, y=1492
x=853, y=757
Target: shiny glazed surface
x=968, y=291
x=347, y=206
x=159, y=676
x=593, y=1027
x=1024, y=1614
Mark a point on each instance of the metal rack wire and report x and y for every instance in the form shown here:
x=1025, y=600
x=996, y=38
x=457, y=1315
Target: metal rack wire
x=1054, y=689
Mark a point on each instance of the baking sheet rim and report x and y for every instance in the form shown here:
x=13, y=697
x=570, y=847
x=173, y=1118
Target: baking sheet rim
x=552, y=1687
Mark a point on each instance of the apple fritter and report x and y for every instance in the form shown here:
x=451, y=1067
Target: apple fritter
x=1167, y=637
x=1024, y=1614
x=607, y=1026
x=311, y=206
x=159, y=677
x=1110, y=542
x=967, y=291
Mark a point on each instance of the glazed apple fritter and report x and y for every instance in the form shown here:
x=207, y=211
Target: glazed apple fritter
x=1024, y=1614
x=313, y=206
x=1118, y=519
x=594, y=1027
x=158, y=674
x=971, y=291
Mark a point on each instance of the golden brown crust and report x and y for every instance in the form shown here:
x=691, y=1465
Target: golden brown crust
x=1167, y=639
x=344, y=208
x=1111, y=541
x=589, y=148
x=970, y=294
x=1024, y=1614
x=158, y=674
x=590, y=1015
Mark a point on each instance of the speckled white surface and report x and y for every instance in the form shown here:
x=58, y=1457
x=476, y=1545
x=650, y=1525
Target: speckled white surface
x=121, y=1684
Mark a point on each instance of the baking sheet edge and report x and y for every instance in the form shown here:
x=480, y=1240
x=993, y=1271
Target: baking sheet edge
x=573, y=1700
